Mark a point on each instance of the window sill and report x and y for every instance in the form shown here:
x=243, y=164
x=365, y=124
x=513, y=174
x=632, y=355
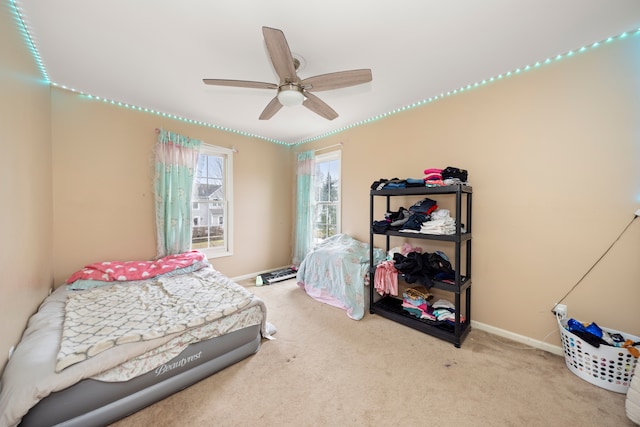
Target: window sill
x=215, y=253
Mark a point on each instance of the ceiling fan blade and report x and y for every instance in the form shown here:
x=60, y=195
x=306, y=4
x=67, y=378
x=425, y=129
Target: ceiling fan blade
x=272, y=107
x=240, y=83
x=337, y=80
x=319, y=107
x=280, y=55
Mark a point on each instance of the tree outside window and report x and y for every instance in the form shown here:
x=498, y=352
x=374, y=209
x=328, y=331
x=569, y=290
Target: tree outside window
x=327, y=196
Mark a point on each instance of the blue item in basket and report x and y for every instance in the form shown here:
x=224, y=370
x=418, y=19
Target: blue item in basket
x=591, y=333
x=594, y=329
x=573, y=325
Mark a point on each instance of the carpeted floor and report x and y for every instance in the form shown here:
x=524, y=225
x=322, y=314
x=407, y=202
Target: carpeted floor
x=326, y=369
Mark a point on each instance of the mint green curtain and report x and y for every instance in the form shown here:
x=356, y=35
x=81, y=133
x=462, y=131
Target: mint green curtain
x=304, y=206
x=176, y=159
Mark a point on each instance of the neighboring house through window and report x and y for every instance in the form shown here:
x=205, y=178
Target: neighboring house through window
x=211, y=199
x=326, y=196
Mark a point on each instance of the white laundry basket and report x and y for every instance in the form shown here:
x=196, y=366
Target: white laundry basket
x=606, y=366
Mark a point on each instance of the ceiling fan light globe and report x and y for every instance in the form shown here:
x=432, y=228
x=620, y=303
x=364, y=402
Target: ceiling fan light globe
x=290, y=97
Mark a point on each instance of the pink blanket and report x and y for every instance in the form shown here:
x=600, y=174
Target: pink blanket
x=110, y=271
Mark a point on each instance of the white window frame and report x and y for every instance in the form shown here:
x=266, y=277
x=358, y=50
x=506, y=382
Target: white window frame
x=227, y=154
x=327, y=157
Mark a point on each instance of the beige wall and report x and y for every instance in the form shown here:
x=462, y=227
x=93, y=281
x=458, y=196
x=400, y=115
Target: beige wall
x=25, y=184
x=103, y=181
x=552, y=156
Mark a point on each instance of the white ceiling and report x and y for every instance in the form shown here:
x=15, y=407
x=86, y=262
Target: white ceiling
x=155, y=53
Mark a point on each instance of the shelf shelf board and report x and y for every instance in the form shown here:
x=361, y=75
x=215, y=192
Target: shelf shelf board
x=463, y=237
x=446, y=189
x=465, y=282
x=391, y=308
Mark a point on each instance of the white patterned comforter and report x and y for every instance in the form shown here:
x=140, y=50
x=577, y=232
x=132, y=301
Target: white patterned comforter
x=31, y=374
x=101, y=318
x=335, y=270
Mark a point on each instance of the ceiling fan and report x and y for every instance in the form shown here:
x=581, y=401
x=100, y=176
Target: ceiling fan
x=291, y=90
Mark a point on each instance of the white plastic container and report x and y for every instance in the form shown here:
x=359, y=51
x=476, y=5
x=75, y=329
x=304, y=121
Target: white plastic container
x=606, y=366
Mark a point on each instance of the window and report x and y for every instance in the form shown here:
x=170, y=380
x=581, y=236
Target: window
x=211, y=199
x=327, y=196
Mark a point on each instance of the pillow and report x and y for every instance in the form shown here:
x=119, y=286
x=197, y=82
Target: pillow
x=83, y=284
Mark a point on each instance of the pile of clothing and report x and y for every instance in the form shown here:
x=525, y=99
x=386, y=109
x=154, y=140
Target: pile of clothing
x=393, y=183
x=424, y=267
x=433, y=177
x=386, y=277
x=414, y=266
x=415, y=301
x=445, y=311
x=438, y=222
x=424, y=216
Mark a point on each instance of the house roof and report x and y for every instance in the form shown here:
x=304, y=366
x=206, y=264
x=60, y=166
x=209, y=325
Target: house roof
x=153, y=54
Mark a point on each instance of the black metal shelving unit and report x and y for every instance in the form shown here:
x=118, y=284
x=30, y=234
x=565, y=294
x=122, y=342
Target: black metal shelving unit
x=391, y=307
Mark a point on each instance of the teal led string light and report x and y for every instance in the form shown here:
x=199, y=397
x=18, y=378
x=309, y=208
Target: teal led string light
x=473, y=85
x=168, y=115
x=23, y=28
x=32, y=47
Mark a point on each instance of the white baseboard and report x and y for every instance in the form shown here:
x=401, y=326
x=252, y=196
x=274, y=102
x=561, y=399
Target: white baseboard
x=519, y=338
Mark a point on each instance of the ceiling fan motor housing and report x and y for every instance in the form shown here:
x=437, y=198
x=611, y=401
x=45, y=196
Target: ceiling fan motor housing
x=290, y=94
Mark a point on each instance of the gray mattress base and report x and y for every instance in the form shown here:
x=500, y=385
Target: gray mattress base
x=96, y=403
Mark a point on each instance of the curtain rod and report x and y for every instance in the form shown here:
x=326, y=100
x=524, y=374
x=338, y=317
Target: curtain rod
x=329, y=146
x=233, y=147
